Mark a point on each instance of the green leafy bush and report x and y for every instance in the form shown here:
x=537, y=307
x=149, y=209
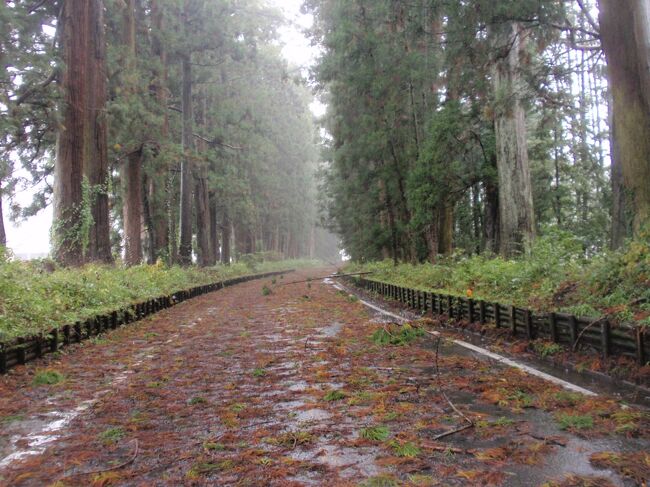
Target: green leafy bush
x=37, y=296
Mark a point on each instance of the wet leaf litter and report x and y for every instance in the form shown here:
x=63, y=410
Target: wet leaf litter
x=302, y=385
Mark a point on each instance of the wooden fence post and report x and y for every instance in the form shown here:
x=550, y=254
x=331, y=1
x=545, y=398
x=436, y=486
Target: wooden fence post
x=450, y=306
x=497, y=315
x=481, y=310
x=553, y=324
x=513, y=320
x=605, y=338
x=573, y=330
x=529, y=324
x=54, y=343
x=470, y=310
x=640, y=346
x=3, y=359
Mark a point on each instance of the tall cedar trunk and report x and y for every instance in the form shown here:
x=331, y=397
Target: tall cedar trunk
x=96, y=162
x=516, y=215
x=491, y=218
x=201, y=196
x=132, y=183
x=225, y=240
x=158, y=197
x=446, y=229
x=132, y=168
x=625, y=34
x=185, y=249
x=81, y=139
x=215, y=254
x=202, y=203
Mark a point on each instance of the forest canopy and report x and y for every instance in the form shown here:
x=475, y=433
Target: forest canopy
x=157, y=129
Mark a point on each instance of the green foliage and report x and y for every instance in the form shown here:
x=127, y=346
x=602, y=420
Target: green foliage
x=47, y=378
x=112, y=435
x=403, y=336
x=334, y=395
x=380, y=481
x=258, y=372
x=37, y=296
x=547, y=349
x=555, y=276
x=266, y=291
x=575, y=422
x=408, y=449
x=375, y=433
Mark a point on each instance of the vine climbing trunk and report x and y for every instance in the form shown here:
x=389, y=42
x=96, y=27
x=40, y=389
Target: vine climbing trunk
x=516, y=215
x=625, y=34
x=82, y=228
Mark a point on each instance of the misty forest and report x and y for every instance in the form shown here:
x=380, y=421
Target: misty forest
x=325, y=272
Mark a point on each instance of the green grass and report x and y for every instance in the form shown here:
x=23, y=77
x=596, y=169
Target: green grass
x=334, y=395
x=37, y=296
x=375, y=433
x=407, y=450
x=403, y=336
x=47, y=378
x=575, y=422
x=556, y=276
x=258, y=372
x=112, y=435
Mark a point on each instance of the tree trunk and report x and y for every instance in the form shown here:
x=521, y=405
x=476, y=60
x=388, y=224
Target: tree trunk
x=215, y=254
x=75, y=139
x=202, y=203
x=225, y=241
x=96, y=162
x=158, y=197
x=132, y=167
x=625, y=34
x=516, y=215
x=491, y=218
x=621, y=228
x=185, y=249
x=132, y=206
x=446, y=229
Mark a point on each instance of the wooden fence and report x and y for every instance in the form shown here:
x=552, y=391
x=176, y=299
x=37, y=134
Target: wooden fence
x=598, y=333
x=23, y=350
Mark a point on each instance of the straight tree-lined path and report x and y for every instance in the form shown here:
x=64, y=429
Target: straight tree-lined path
x=241, y=387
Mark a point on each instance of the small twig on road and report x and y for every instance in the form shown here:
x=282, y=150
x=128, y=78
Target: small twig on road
x=470, y=423
x=109, y=469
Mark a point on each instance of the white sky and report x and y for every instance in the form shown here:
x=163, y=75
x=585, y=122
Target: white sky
x=32, y=236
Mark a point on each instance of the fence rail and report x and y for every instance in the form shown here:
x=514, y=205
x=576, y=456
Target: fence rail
x=598, y=333
x=24, y=350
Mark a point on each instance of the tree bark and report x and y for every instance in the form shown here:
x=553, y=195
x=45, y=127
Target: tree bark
x=516, y=215
x=625, y=34
x=96, y=161
x=185, y=249
x=132, y=206
x=225, y=241
x=132, y=167
x=202, y=203
x=75, y=140
x=215, y=255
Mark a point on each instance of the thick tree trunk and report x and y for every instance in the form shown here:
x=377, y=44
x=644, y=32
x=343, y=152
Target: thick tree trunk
x=158, y=196
x=185, y=249
x=132, y=168
x=132, y=206
x=446, y=229
x=225, y=241
x=96, y=163
x=81, y=221
x=491, y=218
x=215, y=254
x=516, y=215
x=202, y=203
x=625, y=34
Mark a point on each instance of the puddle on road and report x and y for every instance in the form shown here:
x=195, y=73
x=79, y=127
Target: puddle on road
x=329, y=331
x=351, y=462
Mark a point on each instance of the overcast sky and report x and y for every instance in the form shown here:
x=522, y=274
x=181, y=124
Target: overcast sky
x=32, y=236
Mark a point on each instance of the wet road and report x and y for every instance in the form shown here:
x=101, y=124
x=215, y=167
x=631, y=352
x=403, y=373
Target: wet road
x=239, y=388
